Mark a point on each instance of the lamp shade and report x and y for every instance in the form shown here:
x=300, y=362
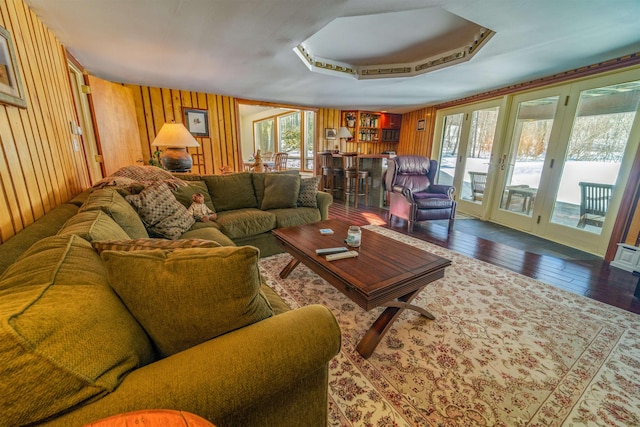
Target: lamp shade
x=174, y=135
x=344, y=133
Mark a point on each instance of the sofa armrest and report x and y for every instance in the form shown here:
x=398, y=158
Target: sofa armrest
x=405, y=191
x=324, y=200
x=230, y=374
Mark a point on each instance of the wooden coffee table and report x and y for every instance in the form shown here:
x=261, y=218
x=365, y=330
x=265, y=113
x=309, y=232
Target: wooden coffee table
x=386, y=272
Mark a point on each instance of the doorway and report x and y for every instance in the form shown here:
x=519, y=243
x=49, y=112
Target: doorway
x=273, y=129
x=560, y=170
x=466, y=148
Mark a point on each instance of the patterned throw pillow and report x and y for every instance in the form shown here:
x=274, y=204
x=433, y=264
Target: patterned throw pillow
x=149, y=244
x=161, y=213
x=308, y=191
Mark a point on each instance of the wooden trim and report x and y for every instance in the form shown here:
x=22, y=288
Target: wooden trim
x=626, y=212
x=589, y=70
x=274, y=104
x=74, y=61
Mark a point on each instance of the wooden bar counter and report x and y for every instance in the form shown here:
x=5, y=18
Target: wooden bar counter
x=376, y=164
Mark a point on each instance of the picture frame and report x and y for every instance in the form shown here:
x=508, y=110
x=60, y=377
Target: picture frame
x=11, y=91
x=196, y=121
x=421, y=124
x=330, y=133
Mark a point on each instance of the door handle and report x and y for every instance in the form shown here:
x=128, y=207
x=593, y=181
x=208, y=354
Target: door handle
x=503, y=162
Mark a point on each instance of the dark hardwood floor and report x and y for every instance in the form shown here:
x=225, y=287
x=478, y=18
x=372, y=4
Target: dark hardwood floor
x=555, y=264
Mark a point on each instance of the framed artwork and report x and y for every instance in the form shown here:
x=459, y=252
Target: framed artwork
x=11, y=91
x=421, y=124
x=329, y=133
x=196, y=121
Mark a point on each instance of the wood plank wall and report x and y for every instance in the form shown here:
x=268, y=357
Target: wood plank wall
x=156, y=106
x=39, y=169
x=413, y=141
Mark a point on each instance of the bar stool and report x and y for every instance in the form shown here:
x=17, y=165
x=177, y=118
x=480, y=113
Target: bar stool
x=330, y=175
x=356, y=181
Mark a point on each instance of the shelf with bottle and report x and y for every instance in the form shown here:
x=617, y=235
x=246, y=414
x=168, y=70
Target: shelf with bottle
x=368, y=126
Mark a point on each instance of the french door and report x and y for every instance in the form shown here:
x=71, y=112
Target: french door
x=465, y=144
x=567, y=158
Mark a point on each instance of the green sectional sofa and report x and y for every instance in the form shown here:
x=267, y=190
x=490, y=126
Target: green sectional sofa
x=98, y=319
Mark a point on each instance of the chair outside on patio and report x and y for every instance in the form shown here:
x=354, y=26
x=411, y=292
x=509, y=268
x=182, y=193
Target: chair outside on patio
x=594, y=202
x=478, y=184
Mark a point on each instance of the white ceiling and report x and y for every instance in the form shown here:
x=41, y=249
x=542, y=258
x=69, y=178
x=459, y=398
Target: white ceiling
x=244, y=48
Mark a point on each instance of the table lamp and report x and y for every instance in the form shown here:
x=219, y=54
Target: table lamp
x=176, y=138
x=343, y=133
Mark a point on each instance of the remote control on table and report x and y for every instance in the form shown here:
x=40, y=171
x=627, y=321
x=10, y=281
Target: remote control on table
x=327, y=251
x=342, y=255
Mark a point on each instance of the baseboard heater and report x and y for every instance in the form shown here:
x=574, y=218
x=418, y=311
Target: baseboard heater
x=627, y=257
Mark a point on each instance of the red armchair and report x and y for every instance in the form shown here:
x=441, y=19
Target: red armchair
x=412, y=194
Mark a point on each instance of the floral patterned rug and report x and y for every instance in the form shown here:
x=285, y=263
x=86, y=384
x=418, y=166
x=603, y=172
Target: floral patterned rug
x=504, y=350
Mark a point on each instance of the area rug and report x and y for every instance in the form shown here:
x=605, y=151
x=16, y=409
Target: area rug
x=504, y=350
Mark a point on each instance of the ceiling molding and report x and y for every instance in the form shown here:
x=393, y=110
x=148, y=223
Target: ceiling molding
x=378, y=71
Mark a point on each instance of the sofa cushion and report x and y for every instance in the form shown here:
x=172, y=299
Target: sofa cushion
x=208, y=233
x=258, y=182
x=65, y=336
x=149, y=244
x=93, y=225
x=113, y=204
x=232, y=191
x=162, y=214
x=308, y=192
x=295, y=217
x=187, y=296
x=45, y=226
x=184, y=194
x=280, y=191
x=245, y=222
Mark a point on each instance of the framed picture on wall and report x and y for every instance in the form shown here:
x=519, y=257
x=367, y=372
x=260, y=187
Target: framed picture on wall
x=421, y=124
x=11, y=91
x=196, y=121
x=329, y=133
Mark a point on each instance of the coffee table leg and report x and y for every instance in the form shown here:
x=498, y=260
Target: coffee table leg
x=289, y=268
x=372, y=337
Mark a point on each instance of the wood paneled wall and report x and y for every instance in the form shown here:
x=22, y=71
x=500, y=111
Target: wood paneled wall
x=39, y=168
x=155, y=106
x=413, y=141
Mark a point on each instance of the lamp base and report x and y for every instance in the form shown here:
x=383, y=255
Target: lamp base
x=176, y=159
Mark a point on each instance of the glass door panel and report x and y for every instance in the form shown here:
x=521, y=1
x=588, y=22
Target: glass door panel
x=599, y=136
x=529, y=144
x=478, y=154
x=450, y=144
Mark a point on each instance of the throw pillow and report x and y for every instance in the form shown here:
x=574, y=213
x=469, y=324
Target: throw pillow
x=187, y=296
x=93, y=225
x=161, y=212
x=66, y=338
x=149, y=244
x=113, y=204
x=232, y=191
x=308, y=192
x=183, y=194
x=280, y=191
